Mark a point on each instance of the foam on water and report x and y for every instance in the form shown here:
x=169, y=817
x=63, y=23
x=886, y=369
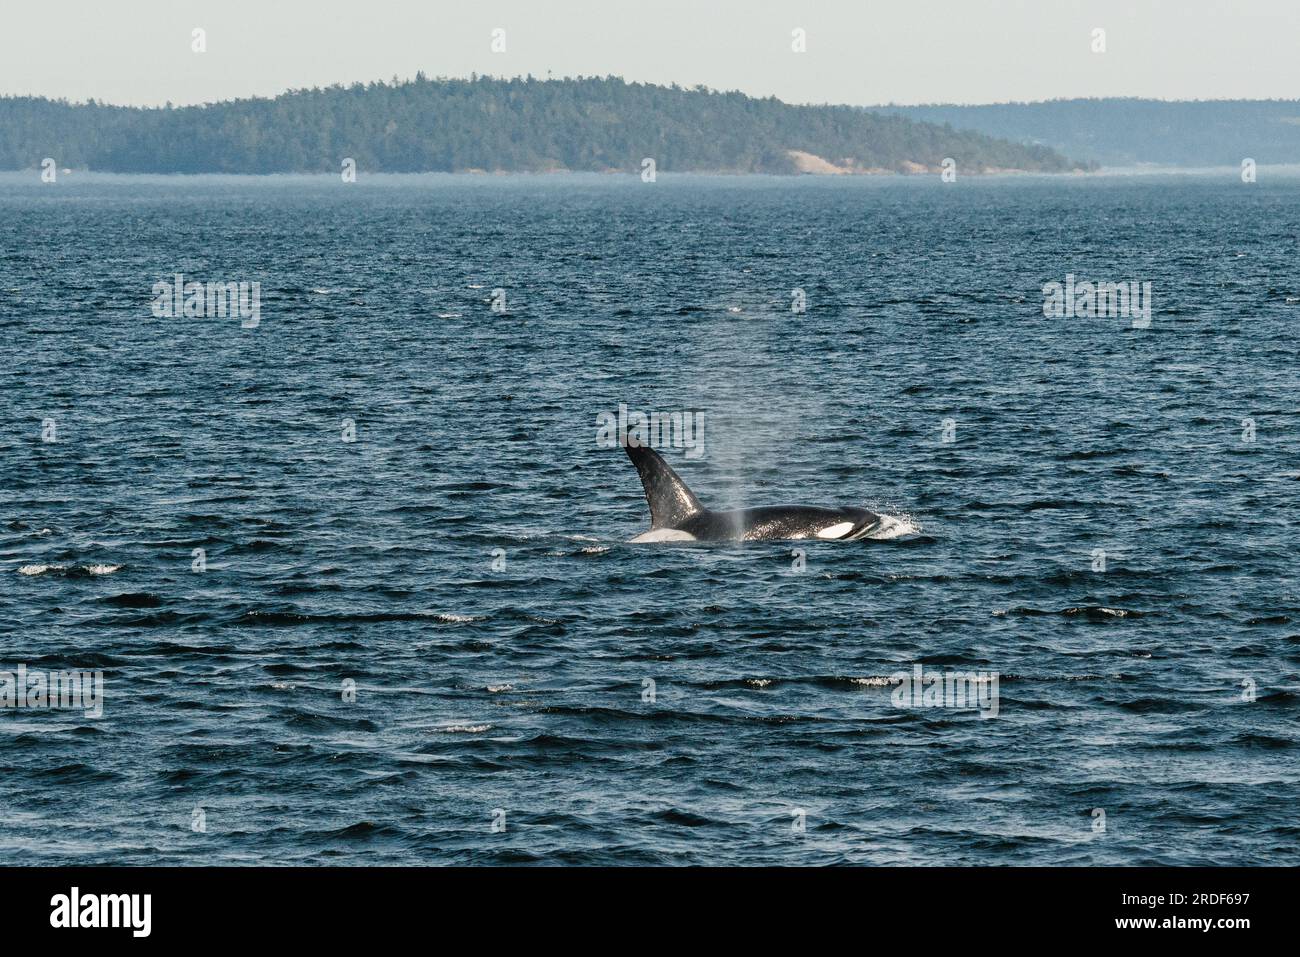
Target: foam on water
x=56, y=569
x=893, y=526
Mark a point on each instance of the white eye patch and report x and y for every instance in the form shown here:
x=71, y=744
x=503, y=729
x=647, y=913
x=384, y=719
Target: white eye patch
x=835, y=531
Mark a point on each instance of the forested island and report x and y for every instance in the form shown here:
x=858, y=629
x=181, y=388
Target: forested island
x=485, y=124
x=1132, y=132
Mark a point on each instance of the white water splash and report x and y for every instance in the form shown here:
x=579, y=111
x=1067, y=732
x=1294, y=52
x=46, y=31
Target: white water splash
x=893, y=526
x=42, y=569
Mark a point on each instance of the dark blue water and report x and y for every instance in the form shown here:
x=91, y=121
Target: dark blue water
x=521, y=690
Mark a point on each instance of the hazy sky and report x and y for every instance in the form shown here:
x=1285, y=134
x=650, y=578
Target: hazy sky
x=864, y=52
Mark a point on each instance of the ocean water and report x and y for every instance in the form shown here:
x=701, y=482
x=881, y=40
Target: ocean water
x=432, y=644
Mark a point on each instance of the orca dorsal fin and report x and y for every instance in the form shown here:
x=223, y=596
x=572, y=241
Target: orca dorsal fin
x=671, y=502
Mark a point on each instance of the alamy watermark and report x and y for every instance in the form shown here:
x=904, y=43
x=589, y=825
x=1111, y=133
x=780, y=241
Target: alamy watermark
x=1098, y=300
x=657, y=430
x=75, y=909
x=46, y=690
x=960, y=690
x=176, y=299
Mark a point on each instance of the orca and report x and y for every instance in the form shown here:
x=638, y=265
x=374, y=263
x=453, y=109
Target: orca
x=676, y=515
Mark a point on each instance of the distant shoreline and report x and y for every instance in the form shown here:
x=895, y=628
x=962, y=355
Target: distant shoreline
x=1117, y=172
x=587, y=124
x=491, y=174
